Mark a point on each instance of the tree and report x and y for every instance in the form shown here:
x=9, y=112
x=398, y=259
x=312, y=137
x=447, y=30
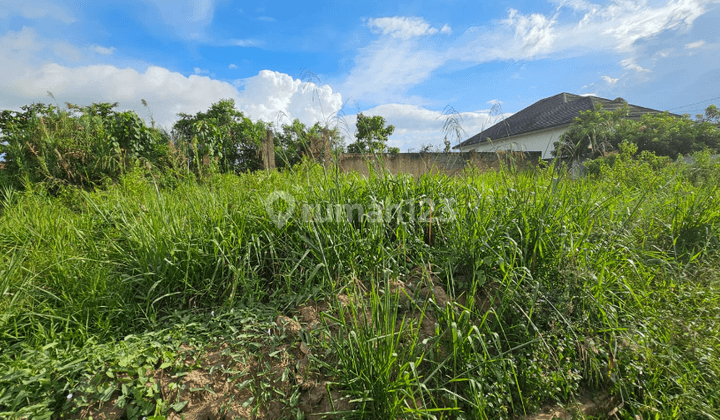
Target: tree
x=294, y=141
x=291, y=143
x=590, y=134
x=223, y=136
x=597, y=132
x=712, y=115
x=372, y=136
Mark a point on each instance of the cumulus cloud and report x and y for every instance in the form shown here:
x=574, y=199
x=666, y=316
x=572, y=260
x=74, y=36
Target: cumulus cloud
x=279, y=98
x=416, y=126
x=26, y=77
x=25, y=45
x=232, y=66
x=696, y=44
x=66, y=51
x=403, y=27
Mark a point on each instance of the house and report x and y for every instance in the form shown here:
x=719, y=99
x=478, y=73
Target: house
x=537, y=127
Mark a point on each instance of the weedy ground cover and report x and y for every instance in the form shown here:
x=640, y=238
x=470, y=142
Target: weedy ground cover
x=515, y=291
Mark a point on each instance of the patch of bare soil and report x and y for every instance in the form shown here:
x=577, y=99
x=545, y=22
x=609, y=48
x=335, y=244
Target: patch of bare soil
x=108, y=410
x=597, y=406
x=277, y=381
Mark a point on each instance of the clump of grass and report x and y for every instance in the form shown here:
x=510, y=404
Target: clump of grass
x=558, y=286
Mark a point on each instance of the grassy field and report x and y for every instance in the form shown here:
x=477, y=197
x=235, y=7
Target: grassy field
x=489, y=295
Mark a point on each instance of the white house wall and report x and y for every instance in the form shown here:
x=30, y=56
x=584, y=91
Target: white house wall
x=536, y=141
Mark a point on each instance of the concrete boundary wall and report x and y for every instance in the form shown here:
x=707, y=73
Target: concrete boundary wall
x=418, y=164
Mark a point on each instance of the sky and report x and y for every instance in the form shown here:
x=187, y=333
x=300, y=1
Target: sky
x=410, y=62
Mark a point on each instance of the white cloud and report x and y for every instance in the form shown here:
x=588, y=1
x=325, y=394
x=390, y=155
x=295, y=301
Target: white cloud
x=535, y=33
x=242, y=43
x=26, y=77
x=37, y=9
x=232, y=66
x=609, y=80
x=198, y=70
x=446, y=30
x=270, y=94
x=629, y=64
x=694, y=45
x=384, y=70
x=416, y=126
x=24, y=44
x=629, y=22
x=577, y=5
x=66, y=51
x=403, y=27
x=387, y=68
x=266, y=19
x=102, y=50
x=494, y=101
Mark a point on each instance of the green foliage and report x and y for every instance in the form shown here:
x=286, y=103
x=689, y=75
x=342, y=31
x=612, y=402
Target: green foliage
x=557, y=286
x=666, y=135
x=83, y=146
x=220, y=139
x=590, y=135
x=65, y=380
x=295, y=140
x=376, y=357
x=372, y=135
x=595, y=133
x=711, y=115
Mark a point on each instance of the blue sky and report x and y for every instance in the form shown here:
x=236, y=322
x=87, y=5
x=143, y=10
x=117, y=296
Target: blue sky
x=406, y=61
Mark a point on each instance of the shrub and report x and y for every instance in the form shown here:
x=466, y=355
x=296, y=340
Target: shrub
x=80, y=146
x=596, y=133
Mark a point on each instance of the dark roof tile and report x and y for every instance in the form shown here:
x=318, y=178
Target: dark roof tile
x=554, y=111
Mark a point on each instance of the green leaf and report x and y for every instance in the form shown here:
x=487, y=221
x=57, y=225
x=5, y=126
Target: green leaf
x=179, y=406
x=107, y=393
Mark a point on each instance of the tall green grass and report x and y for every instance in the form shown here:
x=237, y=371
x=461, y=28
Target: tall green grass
x=603, y=283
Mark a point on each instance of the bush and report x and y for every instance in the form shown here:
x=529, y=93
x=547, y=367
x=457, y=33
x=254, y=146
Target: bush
x=220, y=139
x=80, y=146
x=596, y=133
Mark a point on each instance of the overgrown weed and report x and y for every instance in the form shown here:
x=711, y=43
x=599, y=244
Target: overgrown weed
x=556, y=286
